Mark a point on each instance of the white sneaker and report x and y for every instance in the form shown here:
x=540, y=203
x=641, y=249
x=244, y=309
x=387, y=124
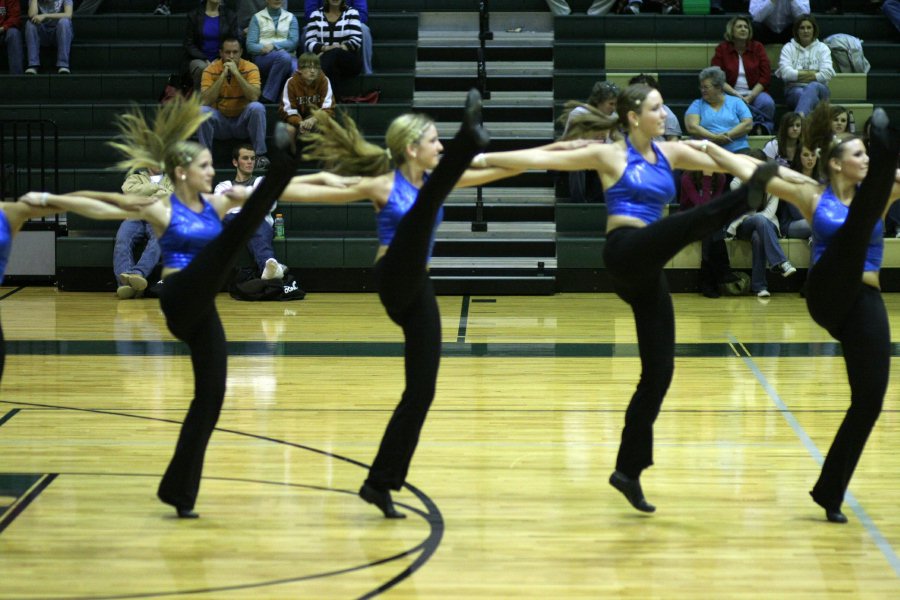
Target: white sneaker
x=64, y=71
x=633, y=8
x=786, y=269
x=273, y=270
x=763, y=294
x=163, y=10
x=31, y=71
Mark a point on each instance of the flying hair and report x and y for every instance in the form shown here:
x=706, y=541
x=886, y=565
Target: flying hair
x=164, y=145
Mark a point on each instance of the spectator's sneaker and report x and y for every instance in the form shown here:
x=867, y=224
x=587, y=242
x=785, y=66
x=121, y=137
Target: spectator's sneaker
x=163, y=9
x=31, y=71
x=786, y=269
x=134, y=280
x=125, y=292
x=64, y=71
x=262, y=162
x=273, y=270
x=667, y=10
x=633, y=8
x=763, y=294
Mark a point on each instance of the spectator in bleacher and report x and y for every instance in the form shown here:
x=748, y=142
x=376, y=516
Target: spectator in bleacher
x=891, y=9
x=306, y=90
x=11, y=34
x=49, y=23
x=772, y=19
x=362, y=8
x=272, y=40
x=784, y=146
x=718, y=117
x=672, y=130
x=229, y=90
x=334, y=33
x=260, y=243
x=699, y=188
x=560, y=8
x=747, y=72
x=840, y=119
x=247, y=8
x=790, y=220
x=805, y=67
x=761, y=229
x=584, y=186
x=207, y=26
x=132, y=276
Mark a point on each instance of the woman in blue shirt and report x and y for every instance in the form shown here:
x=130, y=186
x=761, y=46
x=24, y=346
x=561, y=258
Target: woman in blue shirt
x=636, y=174
x=843, y=292
x=716, y=116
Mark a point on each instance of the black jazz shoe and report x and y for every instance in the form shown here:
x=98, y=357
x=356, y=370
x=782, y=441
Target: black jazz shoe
x=631, y=489
x=381, y=499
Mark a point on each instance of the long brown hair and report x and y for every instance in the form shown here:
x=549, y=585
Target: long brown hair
x=164, y=145
x=823, y=140
x=593, y=121
x=342, y=149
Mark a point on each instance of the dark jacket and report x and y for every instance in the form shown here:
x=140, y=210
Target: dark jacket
x=193, y=36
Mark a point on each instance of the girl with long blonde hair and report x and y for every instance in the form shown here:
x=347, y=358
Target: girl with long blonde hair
x=198, y=255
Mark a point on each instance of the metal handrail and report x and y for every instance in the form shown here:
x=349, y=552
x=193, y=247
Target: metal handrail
x=25, y=146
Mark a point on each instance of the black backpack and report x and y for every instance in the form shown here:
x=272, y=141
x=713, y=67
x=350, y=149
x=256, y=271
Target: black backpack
x=247, y=286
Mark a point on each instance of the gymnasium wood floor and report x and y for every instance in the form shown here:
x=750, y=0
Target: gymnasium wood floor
x=508, y=494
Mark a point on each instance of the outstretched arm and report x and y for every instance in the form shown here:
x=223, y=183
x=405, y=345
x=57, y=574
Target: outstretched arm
x=126, y=201
x=556, y=157
x=476, y=177
x=89, y=207
x=329, y=188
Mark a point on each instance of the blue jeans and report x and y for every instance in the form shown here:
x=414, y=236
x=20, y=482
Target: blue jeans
x=14, y=51
x=251, y=123
x=130, y=235
x=765, y=248
x=803, y=98
x=260, y=243
x=275, y=68
x=49, y=33
x=763, y=110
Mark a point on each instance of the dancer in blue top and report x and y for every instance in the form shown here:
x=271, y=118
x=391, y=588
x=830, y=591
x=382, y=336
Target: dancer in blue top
x=198, y=255
x=636, y=174
x=843, y=293
x=408, y=198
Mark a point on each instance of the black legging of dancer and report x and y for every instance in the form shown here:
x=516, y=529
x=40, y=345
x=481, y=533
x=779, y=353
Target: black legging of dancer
x=854, y=314
x=187, y=299
x=407, y=293
x=635, y=258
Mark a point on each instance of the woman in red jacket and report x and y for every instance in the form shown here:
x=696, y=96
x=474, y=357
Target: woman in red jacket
x=747, y=72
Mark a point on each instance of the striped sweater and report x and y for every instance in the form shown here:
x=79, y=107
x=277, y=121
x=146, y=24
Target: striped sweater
x=346, y=30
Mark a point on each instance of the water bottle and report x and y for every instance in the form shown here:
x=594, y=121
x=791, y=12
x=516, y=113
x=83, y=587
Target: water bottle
x=279, y=227
x=851, y=122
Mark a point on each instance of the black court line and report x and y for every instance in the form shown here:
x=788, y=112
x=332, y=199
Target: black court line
x=432, y=515
x=17, y=509
x=9, y=416
x=8, y=294
x=463, y=320
x=453, y=349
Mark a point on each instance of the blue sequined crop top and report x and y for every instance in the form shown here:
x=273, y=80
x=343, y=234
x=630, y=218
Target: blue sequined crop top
x=829, y=217
x=402, y=197
x=188, y=233
x=643, y=189
x=5, y=243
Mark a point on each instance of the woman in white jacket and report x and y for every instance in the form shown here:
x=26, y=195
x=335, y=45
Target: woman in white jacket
x=805, y=67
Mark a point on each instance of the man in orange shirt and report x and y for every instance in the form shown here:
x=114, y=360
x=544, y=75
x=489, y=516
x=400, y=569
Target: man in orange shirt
x=229, y=90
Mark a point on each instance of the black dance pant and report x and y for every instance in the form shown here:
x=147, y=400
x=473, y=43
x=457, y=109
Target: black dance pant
x=407, y=293
x=634, y=258
x=854, y=314
x=188, y=300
